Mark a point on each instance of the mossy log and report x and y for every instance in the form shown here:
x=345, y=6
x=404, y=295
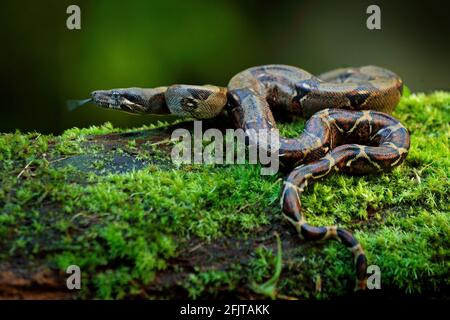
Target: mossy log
x=112, y=202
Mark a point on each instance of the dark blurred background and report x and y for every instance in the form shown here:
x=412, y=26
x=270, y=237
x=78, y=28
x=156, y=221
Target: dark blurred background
x=153, y=43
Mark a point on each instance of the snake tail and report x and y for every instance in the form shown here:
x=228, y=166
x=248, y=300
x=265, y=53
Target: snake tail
x=386, y=144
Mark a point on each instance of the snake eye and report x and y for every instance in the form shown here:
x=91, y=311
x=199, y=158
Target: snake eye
x=115, y=95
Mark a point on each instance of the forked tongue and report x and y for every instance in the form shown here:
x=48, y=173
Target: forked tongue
x=74, y=104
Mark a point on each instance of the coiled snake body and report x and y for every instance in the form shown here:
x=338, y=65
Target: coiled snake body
x=349, y=127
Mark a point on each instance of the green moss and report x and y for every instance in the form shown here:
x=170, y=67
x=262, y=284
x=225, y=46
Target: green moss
x=212, y=282
x=268, y=288
x=127, y=228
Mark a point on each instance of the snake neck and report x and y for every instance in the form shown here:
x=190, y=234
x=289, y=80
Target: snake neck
x=200, y=102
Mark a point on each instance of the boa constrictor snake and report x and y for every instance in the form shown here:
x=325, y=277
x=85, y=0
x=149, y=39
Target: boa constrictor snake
x=349, y=127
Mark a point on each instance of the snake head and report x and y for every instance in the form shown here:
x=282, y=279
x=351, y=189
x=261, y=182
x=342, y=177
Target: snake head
x=128, y=100
x=132, y=100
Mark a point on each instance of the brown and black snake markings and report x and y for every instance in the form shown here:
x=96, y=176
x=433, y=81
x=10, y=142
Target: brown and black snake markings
x=349, y=127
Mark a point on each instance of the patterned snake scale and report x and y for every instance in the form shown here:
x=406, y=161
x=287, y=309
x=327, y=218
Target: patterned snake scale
x=349, y=127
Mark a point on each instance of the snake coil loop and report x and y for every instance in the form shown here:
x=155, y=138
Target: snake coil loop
x=349, y=127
